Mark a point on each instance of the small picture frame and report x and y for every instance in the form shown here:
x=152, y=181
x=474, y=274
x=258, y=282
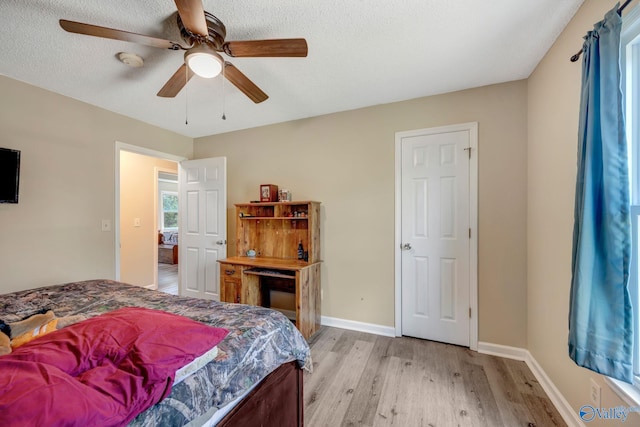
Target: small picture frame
x=284, y=195
x=268, y=193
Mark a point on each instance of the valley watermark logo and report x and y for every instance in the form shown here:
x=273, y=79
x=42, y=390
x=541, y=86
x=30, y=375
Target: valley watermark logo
x=620, y=413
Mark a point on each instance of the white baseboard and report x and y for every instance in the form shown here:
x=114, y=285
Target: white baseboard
x=505, y=351
x=564, y=408
x=387, y=331
x=569, y=416
x=152, y=286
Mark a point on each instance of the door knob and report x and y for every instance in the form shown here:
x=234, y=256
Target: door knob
x=221, y=242
x=405, y=247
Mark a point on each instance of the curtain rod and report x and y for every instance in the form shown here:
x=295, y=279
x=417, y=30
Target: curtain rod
x=575, y=57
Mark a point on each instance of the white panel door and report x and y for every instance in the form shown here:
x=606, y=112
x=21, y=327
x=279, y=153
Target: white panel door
x=435, y=228
x=203, y=226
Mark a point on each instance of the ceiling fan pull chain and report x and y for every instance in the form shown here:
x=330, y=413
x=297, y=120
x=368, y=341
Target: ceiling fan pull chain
x=186, y=95
x=223, y=77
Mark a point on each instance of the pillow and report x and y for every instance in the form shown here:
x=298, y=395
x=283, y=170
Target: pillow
x=36, y=332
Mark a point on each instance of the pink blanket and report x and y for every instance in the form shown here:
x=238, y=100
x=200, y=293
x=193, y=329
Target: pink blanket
x=102, y=371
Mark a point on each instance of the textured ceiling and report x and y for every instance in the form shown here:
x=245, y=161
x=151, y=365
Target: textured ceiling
x=361, y=53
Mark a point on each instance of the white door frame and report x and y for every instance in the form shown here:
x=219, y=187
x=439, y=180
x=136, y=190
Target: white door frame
x=121, y=146
x=472, y=127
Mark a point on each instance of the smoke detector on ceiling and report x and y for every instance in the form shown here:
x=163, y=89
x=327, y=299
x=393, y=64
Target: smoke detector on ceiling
x=130, y=59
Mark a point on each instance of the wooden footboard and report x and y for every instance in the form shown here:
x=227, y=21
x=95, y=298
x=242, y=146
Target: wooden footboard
x=276, y=402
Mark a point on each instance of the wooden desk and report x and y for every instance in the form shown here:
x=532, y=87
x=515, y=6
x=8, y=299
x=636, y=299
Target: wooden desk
x=248, y=280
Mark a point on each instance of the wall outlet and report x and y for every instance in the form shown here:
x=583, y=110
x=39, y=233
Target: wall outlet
x=595, y=393
x=106, y=225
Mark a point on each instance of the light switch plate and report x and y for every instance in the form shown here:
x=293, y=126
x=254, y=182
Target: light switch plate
x=136, y=222
x=106, y=225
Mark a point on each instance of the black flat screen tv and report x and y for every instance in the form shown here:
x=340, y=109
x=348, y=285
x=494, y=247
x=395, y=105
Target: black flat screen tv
x=9, y=175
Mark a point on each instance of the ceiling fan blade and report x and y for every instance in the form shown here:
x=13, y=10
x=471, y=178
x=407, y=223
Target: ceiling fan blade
x=175, y=84
x=243, y=83
x=110, y=33
x=192, y=14
x=256, y=48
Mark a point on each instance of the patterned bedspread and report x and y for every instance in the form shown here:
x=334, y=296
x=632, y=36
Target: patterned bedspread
x=259, y=340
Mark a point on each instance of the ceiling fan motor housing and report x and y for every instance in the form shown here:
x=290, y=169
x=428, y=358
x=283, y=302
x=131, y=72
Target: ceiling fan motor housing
x=216, y=36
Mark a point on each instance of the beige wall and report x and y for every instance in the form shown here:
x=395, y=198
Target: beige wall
x=346, y=161
x=554, y=98
x=67, y=185
x=138, y=193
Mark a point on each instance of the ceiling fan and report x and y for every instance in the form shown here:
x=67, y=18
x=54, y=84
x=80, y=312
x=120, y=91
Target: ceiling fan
x=206, y=37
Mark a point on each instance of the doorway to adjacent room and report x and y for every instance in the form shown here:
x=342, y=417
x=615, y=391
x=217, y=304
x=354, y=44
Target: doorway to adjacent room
x=138, y=223
x=167, y=208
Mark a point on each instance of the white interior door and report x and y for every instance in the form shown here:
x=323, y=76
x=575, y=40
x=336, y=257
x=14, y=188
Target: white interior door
x=435, y=234
x=203, y=226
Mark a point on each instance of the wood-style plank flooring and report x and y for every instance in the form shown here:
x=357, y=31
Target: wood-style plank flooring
x=361, y=379
x=168, y=278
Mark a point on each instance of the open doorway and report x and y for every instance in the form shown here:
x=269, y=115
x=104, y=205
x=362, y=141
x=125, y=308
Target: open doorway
x=138, y=222
x=168, y=242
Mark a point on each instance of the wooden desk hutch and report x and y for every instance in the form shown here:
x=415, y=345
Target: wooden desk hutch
x=275, y=230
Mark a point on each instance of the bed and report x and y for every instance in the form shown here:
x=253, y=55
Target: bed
x=256, y=372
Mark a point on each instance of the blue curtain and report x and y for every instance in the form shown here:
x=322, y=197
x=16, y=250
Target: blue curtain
x=600, y=314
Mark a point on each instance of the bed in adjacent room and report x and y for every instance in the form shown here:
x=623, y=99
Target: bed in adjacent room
x=253, y=372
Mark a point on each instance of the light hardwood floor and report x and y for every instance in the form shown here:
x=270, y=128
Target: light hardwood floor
x=361, y=379
x=168, y=278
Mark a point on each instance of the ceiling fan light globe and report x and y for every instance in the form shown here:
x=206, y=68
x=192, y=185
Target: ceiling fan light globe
x=204, y=61
x=204, y=65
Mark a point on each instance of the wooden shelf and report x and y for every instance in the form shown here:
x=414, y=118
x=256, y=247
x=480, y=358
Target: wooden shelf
x=293, y=202
x=271, y=229
x=292, y=218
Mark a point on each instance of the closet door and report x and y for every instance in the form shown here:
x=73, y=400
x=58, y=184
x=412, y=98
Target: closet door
x=436, y=235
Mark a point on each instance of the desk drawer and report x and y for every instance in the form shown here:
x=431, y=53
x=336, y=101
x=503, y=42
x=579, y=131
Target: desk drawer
x=231, y=271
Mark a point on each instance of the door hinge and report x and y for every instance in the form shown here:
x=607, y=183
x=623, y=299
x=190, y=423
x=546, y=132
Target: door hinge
x=469, y=232
x=468, y=150
x=469, y=312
